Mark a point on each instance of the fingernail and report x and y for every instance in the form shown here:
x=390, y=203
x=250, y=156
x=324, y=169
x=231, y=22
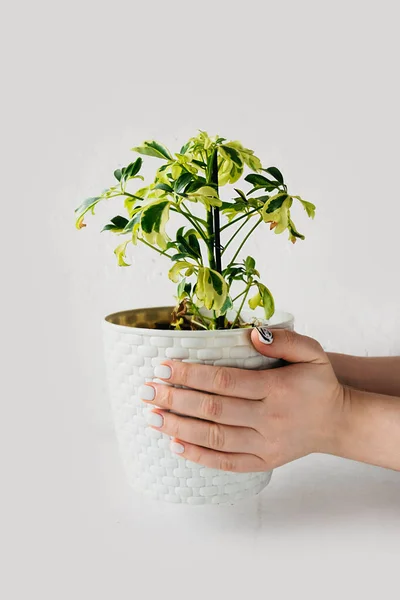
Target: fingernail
x=162, y=372
x=146, y=392
x=155, y=419
x=177, y=448
x=265, y=335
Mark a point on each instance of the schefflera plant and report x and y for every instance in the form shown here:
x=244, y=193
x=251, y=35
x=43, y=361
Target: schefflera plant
x=189, y=183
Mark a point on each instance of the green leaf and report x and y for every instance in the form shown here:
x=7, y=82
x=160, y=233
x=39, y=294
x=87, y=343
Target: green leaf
x=163, y=186
x=153, y=148
x=260, y=181
x=231, y=154
x=154, y=217
x=118, y=174
x=241, y=194
x=182, y=181
x=275, y=173
x=132, y=169
x=275, y=202
x=227, y=305
x=118, y=223
x=250, y=263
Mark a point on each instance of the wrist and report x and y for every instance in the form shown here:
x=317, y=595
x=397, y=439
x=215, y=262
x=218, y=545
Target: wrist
x=369, y=430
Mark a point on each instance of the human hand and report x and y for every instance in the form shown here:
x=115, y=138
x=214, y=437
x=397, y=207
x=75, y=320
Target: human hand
x=239, y=420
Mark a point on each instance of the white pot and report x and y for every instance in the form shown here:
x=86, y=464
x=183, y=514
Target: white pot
x=133, y=347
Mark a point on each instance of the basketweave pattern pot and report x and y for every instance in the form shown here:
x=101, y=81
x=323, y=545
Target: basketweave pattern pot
x=133, y=347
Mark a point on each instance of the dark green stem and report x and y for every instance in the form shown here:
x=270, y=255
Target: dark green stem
x=214, y=227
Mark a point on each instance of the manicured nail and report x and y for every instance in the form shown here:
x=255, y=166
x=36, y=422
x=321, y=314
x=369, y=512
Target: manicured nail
x=177, y=448
x=155, y=419
x=162, y=372
x=146, y=392
x=265, y=335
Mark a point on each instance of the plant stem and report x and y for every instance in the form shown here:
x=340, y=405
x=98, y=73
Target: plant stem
x=246, y=291
x=190, y=218
x=240, y=218
x=245, y=239
x=234, y=235
x=163, y=252
x=238, y=296
x=214, y=227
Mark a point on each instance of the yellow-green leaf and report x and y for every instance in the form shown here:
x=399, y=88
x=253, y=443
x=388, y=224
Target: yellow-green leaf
x=175, y=271
x=308, y=206
x=207, y=195
x=263, y=298
x=211, y=289
x=120, y=254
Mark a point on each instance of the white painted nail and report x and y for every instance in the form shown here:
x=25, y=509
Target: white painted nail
x=265, y=335
x=177, y=448
x=146, y=392
x=162, y=372
x=155, y=419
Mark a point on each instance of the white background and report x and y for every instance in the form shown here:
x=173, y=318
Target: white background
x=313, y=87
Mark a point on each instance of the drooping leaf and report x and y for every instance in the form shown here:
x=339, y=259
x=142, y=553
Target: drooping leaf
x=86, y=205
x=263, y=298
x=118, y=174
x=153, y=148
x=120, y=254
x=275, y=173
x=293, y=233
x=133, y=227
x=177, y=268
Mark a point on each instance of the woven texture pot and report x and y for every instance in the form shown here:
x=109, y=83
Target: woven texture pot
x=133, y=347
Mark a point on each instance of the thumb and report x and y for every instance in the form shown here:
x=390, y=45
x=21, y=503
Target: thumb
x=287, y=345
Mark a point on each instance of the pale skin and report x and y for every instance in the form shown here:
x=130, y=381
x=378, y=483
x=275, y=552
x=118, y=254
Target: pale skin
x=238, y=420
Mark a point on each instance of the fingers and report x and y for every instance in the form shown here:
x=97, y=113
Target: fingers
x=225, y=381
x=209, y=407
x=224, y=461
x=288, y=345
x=223, y=438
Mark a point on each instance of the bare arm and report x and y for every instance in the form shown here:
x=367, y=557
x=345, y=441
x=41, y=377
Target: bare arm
x=370, y=429
x=378, y=375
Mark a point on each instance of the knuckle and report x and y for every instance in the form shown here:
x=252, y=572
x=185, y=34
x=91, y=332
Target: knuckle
x=168, y=397
x=216, y=437
x=210, y=406
x=223, y=379
x=290, y=338
x=175, y=428
x=227, y=464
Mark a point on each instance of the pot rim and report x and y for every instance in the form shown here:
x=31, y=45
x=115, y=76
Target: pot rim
x=280, y=320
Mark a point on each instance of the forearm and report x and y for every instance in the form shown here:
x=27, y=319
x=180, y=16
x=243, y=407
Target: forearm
x=369, y=429
x=378, y=375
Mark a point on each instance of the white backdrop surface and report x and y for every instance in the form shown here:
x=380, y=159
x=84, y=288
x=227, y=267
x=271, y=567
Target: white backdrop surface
x=314, y=88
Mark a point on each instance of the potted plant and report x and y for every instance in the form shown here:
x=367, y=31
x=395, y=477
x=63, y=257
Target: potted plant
x=218, y=289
